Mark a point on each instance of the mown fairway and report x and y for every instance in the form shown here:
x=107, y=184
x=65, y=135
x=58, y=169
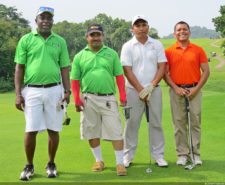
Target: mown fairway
x=74, y=158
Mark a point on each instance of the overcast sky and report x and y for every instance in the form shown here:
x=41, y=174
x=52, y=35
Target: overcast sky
x=162, y=14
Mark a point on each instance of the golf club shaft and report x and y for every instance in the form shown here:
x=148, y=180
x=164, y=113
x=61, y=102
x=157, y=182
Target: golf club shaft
x=147, y=111
x=189, y=129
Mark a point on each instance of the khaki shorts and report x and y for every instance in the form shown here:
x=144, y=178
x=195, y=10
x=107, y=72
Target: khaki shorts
x=100, y=118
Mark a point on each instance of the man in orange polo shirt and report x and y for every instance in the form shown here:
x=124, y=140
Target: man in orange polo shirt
x=187, y=71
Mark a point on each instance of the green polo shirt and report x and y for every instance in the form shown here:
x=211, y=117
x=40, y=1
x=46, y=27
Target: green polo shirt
x=42, y=58
x=96, y=71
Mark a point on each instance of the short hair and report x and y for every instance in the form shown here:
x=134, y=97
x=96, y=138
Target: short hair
x=181, y=22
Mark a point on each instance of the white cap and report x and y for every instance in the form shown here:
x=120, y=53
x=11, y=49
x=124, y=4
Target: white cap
x=137, y=17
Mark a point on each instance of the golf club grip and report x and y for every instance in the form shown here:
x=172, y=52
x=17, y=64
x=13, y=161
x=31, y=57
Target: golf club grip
x=147, y=112
x=187, y=104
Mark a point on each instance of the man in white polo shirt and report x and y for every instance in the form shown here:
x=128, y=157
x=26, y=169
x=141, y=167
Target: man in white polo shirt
x=143, y=61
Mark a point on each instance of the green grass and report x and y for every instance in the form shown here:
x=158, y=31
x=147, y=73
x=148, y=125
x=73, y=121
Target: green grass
x=74, y=158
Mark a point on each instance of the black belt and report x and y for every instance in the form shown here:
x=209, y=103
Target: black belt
x=100, y=94
x=43, y=86
x=187, y=85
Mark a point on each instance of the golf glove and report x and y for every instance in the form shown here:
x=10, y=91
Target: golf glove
x=147, y=91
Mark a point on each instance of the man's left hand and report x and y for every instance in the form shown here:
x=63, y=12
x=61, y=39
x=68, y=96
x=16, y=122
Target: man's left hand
x=66, y=97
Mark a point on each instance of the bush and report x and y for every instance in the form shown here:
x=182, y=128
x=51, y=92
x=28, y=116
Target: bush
x=6, y=85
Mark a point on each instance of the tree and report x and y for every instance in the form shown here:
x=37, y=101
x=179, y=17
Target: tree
x=219, y=23
x=12, y=27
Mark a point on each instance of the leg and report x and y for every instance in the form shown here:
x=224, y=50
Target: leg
x=96, y=150
x=30, y=144
x=53, y=142
x=195, y=114
x=132, y=125
x=118, y=148
x=180, y=123
x=156, y=137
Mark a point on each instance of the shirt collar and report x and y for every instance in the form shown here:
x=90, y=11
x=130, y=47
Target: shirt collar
x=36, y=33
x=88, y=48
x=135, y=41
x=177, y=45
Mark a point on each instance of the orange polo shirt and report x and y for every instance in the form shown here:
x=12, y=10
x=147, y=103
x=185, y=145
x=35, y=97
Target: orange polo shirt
x=184, y=64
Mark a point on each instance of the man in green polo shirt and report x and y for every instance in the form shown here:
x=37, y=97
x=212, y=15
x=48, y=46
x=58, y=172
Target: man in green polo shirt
x=42, y=62
x=93, y=70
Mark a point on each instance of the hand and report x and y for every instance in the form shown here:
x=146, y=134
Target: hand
x=192, y=92
x=66, y=97
x=145, y=93
x=123, y=103
x=20, y=102
x=181, y=91
x=79, y=105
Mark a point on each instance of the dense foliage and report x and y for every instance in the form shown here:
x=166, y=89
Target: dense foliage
x=12, y=27
x=219, y=23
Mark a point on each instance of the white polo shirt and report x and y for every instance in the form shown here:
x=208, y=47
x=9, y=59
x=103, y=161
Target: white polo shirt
x=143, y=58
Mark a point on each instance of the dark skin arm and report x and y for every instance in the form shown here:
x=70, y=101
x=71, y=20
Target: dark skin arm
x=66, y=83
x=18, y=80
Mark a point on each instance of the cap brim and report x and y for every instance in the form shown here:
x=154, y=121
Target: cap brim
x=94, y=31
x=138, y=20
x=39, y=13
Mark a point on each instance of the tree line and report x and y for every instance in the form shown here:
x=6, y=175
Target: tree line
x=13, y=26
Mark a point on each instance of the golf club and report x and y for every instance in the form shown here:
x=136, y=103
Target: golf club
x=149, y=169
x=67, y=119
x=192, y=165
x=126, y=111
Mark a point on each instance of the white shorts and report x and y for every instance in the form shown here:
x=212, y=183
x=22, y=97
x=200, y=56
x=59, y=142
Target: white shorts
x=42, y=110
x=100, y=118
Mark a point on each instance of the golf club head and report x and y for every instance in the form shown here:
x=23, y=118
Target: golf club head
x=189, y=167
x=148, y=170
x=66, y=121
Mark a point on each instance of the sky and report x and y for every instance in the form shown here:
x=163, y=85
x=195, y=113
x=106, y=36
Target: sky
x=162, y=14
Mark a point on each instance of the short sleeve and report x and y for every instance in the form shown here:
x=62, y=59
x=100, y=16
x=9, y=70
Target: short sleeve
x=203, y=57
x=118, y=70
x=64, y=59
x=161, y=53
x=75, y=71
x=21, y=52
x=125, y=56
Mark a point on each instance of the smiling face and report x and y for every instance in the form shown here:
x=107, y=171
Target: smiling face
x=44, y=23
x=182, y=32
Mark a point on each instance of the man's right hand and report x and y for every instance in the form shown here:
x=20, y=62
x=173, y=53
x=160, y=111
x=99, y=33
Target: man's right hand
x=79, y=104
x=145, y=93
x=20, y=102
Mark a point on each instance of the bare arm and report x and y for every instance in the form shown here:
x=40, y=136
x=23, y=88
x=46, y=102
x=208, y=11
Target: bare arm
x=132, y=78
x=179, y=91
x=159, y=74
x=204, y=76
x=18, y=80
x=66, y=83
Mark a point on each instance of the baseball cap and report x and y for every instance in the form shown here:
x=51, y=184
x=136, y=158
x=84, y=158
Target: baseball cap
x=94, y=28
x=43, y=9
x=138, y=17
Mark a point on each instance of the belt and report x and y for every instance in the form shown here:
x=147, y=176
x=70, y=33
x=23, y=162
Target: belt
x=187, y=85
x=100, y=94
x=43, y=86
